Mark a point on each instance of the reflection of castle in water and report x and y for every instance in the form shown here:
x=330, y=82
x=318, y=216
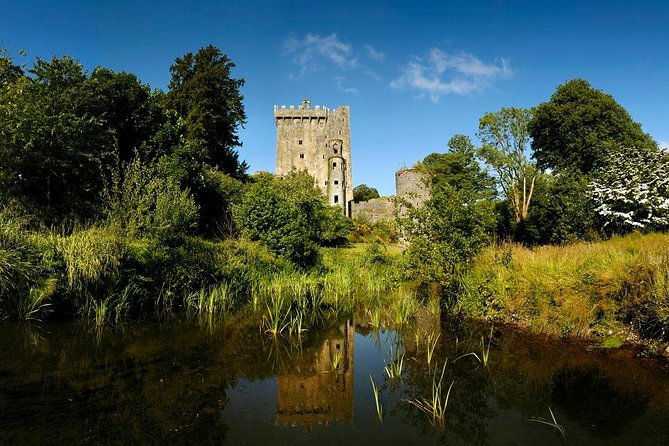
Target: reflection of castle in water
x=319, y=389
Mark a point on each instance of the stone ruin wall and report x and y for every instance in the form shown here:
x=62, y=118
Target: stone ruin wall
x=376, y=209
x=410, y=189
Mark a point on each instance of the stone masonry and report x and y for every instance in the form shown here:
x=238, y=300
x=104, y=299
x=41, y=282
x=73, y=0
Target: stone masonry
x=318, y=140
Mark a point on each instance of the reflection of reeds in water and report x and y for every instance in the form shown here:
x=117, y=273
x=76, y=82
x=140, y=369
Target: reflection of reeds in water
x=554, y=424
x=435, y=404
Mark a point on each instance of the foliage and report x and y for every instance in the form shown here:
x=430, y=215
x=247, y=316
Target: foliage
x=26, y=282
x=631, y=191
x=504, y=135
x=141, y=202
x=363, y=192
x=562, y=211
x=455, y=223
x=208, y=101
x=291, y=216
x=579, y=126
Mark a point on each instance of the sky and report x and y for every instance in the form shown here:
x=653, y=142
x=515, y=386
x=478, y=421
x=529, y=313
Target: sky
x=413, y=73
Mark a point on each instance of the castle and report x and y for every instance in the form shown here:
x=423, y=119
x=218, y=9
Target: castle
x=318, y=140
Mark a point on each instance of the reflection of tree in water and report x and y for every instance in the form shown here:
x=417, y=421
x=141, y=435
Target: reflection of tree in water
x=589, y=399
x=144, y=384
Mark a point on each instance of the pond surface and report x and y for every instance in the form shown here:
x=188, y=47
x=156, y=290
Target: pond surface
x=183, y=382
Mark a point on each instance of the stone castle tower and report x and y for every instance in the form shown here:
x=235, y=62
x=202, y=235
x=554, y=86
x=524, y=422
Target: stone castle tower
x=318, y=140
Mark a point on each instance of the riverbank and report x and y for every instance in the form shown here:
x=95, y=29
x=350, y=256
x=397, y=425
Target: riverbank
x=615, y=291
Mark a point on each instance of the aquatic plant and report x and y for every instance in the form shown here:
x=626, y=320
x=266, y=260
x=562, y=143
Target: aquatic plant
x=554, y=424
x=431, y=344
x=210, y=301
x=394, y=367
x=435, y=404
x=374, y=317
x=379, y=407
x=403, y=307
x=275, y=320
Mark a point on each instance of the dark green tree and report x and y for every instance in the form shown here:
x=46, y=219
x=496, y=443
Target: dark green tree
x=54, y=142
x=364, y=193
x=208, y=100
x=579, y=126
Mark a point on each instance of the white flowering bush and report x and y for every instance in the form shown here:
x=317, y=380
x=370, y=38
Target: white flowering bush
x=631, y=190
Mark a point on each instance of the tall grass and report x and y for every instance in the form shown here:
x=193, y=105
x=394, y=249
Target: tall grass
x=581, y=290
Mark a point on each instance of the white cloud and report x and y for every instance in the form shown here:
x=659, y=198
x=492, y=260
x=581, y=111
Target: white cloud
x=339, y=81
x=312, y=51
x=441, y=73
x=375, y=54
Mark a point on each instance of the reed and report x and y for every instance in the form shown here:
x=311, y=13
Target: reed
x=210, y=301
x=403, y=307
x=431, y=344
x=435, y=404
x=379, y=407
x=394, y=367
x=553, y=423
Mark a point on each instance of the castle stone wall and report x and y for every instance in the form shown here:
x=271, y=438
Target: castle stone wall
x=318, y=140
x=375, y=210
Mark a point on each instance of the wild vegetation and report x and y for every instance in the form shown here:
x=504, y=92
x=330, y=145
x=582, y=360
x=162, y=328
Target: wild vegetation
x=117, y=201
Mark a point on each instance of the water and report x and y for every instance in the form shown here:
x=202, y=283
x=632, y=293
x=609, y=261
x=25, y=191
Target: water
x=183, y=382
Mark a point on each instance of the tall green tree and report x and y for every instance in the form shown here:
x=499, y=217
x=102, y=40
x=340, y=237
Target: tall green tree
x=205, y=96
x=578, y=126
x=505, y=137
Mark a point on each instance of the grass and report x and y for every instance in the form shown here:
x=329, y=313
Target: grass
x=580, y=290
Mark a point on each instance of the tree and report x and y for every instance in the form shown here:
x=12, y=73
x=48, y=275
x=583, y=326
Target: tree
x=579, y=126
x=455, y=222
x=364, y=193
x=54, y=141
x=632, y=191
x=505, y=136
x=290, y=216
x=203, y=94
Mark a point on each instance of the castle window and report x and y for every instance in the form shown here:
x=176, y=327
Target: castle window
x=299, y=141
x=336, y=151
x=334, y=164
x=326, y=183
x=302, y=155
x=336, y=182
x=336, y=198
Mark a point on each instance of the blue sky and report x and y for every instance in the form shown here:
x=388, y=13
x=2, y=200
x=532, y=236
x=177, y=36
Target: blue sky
x=414, y=73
